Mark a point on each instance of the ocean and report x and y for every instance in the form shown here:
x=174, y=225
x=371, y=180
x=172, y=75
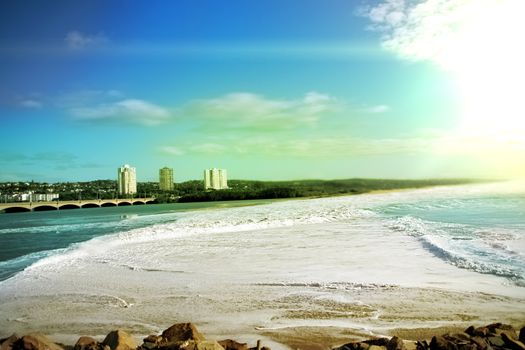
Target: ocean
x=411, y=258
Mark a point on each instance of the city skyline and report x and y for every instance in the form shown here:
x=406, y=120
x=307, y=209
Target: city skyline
x=268, y=90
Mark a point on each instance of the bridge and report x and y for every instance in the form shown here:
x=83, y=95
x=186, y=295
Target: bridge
x=74, y=204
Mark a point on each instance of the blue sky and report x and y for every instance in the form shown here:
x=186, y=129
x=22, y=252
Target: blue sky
x=266, y=89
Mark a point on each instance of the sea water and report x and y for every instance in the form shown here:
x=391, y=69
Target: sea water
x=426, y=257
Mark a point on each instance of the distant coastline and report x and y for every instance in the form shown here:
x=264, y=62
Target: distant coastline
x=88, y=194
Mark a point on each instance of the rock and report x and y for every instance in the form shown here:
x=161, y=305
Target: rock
x=363, y=346
x=458, y=338
x=422, y=345
x=87, y=343
x=512, y=343
x=470, y=331
x=119, y=340
x=440, y=343
x=496, y=341
x=7, y=343
x=350, y=346
x=148, y=346
x=377, y=341
x=35, y=342
x=481, y=332
x=522, y=335
x=509, y=333
x=480, y=343
x=265, y=348
x=182, y=332
x=504, y=327
x=395, y=344
x=467, y=347
x=229, y=344
x=201, y=345
x=155, y=339
x=376, y=347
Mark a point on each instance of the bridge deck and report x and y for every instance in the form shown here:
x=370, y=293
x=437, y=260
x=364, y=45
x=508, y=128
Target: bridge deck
x=87, y=203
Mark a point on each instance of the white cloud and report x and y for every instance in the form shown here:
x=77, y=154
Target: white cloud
x=447, y=32
x=77, y=40
x=30, y=103
x=128, y=110
x=248, y=110
x=209, y=148
x=172, y=150
x=377, y=109
x=431, y=143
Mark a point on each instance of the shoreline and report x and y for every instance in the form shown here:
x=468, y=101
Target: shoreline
x=185, y=336
x=329, y=280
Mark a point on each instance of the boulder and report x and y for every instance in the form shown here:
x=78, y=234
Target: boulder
x=458, y=337
x=363, y=346
x=467, y=346
x=155, y=339
x=87, y=343
x=229, y=344
x=377, y=341
x=509, y=333
x=148, y=346
x=481, y=332
x=440, y=343
x=376, y=347
x=349, y=346
x=512, y=343
x=201, y=345
x=501, y=326
x=119, y=340
x=182, y=332
x=7, y=343
x=480, y=343
x=422, y=345
x=470, y=330
x=395, y=344
x=35, y=341
x=496, y=341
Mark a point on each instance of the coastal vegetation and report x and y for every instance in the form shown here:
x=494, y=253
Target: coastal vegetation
x=244, y=189
x=193, y=191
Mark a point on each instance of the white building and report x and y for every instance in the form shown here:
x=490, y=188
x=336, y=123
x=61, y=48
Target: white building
x=34, y=197
x=126, y=180
x=166, y=179
x=215, y=179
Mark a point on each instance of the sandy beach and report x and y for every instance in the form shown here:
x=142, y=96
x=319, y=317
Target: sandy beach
x=318, y=272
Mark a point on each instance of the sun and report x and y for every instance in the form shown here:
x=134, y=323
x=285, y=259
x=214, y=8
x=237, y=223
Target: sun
x=488, y=60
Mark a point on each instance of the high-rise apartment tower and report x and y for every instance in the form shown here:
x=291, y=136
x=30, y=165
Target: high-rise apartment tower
x=166, y=179
x=126, y=180
x=215, y=179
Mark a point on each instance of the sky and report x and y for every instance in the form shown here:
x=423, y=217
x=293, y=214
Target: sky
x=269, y=90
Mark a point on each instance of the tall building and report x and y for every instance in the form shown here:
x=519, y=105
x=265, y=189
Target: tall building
x=215, y=179
x=166, y=179
x=126, y=180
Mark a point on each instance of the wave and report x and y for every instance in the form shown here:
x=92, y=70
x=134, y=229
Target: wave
x=9, y=268
x=331, y=285
x=214, y=221
x=480, y=250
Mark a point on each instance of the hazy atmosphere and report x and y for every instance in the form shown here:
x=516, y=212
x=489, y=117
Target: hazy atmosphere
x=267, y=89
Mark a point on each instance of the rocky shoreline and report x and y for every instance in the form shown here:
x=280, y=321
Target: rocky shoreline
x=185, y=336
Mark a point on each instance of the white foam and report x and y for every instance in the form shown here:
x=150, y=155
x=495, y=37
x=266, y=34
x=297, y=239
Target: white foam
x=243, y=267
